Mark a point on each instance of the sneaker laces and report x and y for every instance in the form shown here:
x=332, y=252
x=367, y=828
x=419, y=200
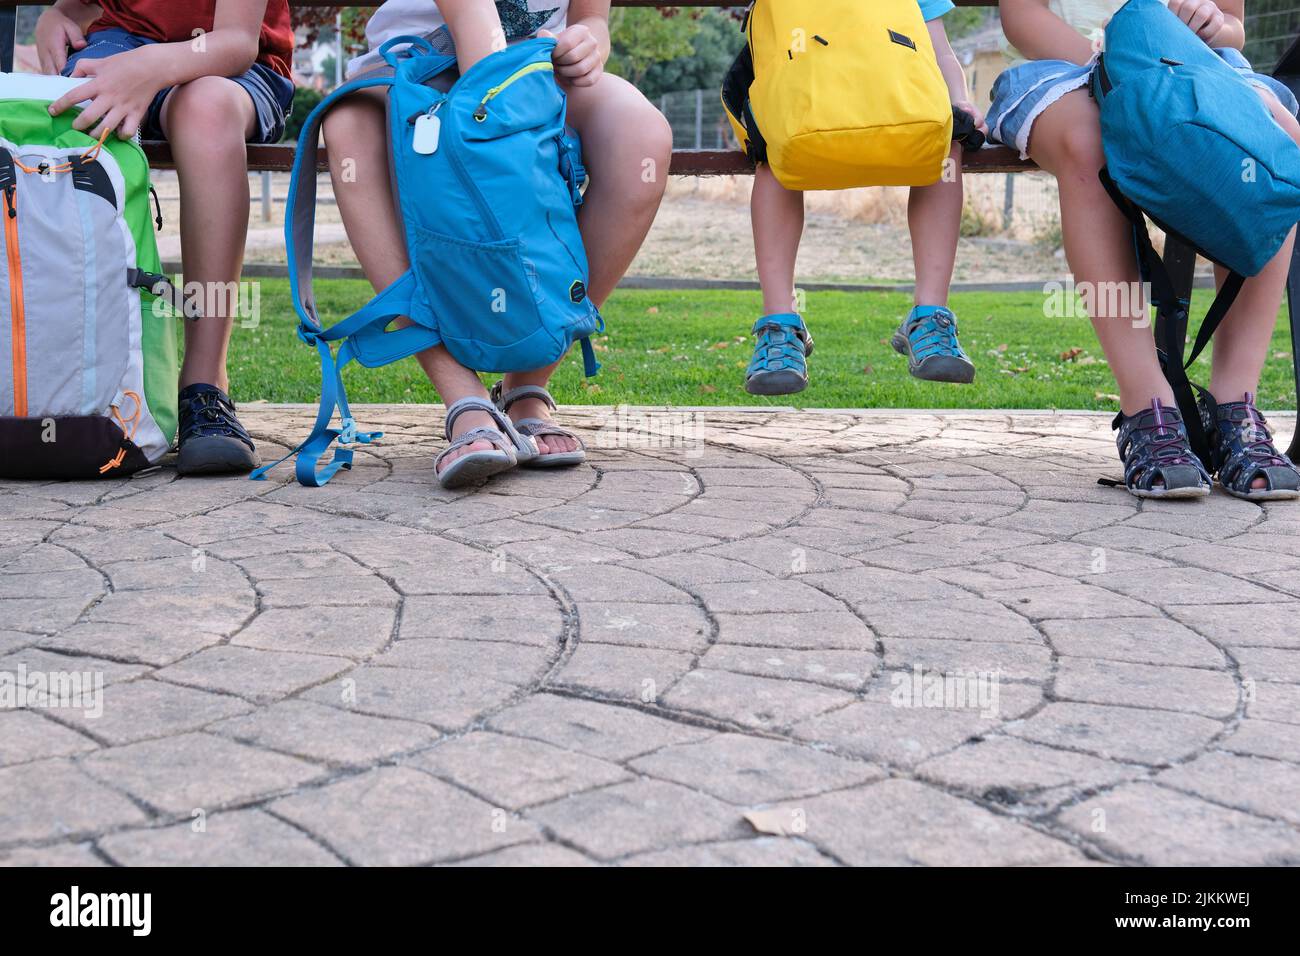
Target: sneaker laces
x=1163, y=438
x=937, y=334
x=1254, y=436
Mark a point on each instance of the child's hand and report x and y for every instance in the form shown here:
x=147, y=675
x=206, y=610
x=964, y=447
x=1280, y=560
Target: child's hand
x=1203, y=16
x=56, y=32
x=120, y=90
x=975, y=113
x=577, y=56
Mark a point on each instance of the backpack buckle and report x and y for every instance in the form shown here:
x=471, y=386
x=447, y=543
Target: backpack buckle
x=348, y=433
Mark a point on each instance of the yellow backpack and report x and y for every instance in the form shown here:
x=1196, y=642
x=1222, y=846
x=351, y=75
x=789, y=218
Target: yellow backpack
x=834, y=94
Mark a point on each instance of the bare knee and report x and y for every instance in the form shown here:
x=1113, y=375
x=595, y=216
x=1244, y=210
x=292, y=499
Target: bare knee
x=211, y=110
x=357, y=119
x=1079, y=155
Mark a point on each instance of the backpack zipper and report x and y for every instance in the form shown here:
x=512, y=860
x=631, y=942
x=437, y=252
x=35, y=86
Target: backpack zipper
x=17, y=309
x=481, y=114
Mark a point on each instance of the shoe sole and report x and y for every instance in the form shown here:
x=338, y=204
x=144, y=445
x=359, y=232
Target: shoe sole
x=1280, y=494
x=473, y=468
x=1173, y=495
x=776, y=383
x=216, y=456
x=563, y=459
x=937, y=368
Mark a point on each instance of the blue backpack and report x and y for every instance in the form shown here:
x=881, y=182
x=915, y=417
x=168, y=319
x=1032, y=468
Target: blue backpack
x=488, y=183
x=1190, y=143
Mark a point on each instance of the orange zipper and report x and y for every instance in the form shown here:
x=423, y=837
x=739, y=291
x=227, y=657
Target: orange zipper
x=16, y=301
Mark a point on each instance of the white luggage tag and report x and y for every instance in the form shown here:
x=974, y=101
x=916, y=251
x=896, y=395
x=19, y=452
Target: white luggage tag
x=428, y=130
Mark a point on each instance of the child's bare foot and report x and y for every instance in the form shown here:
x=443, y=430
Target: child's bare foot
x=530, y=408
x=467, y=422
x=483, y=443
x=547, y=444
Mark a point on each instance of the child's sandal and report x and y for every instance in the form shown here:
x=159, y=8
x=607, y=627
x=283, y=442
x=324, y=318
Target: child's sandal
x=1243, y=451
x=928, y=337
x=1158, y=458
x=539, y=428
x=509, y=447
x=780, y=364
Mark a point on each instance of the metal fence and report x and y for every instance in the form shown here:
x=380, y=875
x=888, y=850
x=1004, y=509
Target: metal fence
x=697, y=119
x=1271, y=28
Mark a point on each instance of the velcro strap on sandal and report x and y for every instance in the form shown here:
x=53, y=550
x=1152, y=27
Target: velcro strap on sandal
x=783, y=320
x=504, y=400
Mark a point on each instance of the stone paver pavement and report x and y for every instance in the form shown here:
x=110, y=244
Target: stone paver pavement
x=737, y=637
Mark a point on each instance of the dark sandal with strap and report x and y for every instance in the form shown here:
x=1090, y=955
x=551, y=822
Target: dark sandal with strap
x=539, y=428
x=1158, y=459
x=1243, y=451
x=780, y=364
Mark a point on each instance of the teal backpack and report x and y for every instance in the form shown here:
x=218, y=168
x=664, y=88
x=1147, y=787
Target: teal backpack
x=1190, y=143
x=488, y=182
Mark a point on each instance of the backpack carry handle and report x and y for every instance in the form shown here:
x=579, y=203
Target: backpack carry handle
x=411, y=46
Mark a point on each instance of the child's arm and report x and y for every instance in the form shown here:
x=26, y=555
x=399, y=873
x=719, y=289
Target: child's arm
x=1217, y=23
x=60, y=28
x=952, y=72
x=122, y=86
x=475, y=27
x=1040, y=34
x=583, y=47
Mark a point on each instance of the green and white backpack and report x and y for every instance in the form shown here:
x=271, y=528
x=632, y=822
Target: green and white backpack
x=88, y=360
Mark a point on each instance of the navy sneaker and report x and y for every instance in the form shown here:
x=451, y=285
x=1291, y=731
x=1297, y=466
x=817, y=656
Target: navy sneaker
x=928, y=337
x=212, y=442
x=1243, y=451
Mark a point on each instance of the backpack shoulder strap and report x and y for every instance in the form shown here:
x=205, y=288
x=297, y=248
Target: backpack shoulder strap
x=300, y=207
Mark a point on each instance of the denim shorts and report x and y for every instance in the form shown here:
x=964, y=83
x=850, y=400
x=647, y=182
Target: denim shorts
x=1022, y=93
x=271, y=93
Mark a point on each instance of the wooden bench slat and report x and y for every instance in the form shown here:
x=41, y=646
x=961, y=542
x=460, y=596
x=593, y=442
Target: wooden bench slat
x=686, y=162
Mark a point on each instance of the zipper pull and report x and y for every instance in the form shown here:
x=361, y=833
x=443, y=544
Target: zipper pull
x=480, y=114
x=11, y=203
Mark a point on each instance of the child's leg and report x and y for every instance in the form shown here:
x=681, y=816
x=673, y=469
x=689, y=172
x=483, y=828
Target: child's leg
x=627, y=147
x=207, y=122
x=356, y=134
x=1241, y=344
x=934, y=218
x=1098, y=243
x=1242, y=341
x=778, y=219
x=928, y=336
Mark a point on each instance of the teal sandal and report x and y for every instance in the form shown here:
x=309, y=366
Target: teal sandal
x=928, y=337
x=780, y=364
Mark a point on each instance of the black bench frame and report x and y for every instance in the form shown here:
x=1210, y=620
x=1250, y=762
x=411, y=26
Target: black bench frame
x=689, y=162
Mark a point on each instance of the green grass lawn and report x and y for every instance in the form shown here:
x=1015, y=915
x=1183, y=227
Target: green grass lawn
x=691, y=348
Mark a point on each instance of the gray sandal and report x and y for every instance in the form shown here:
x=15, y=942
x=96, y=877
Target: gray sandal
x=509, y=446
x=539, y=428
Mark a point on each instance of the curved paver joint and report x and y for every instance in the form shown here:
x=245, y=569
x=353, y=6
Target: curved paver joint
x=738, y=636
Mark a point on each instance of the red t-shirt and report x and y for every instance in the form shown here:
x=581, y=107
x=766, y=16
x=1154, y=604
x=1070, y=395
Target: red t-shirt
x=169, y=21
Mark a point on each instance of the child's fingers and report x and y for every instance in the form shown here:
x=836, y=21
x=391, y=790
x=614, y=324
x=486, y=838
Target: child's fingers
x=92, y=114
x=576, y=52
x=110, y=123
x=86, y=91
x=130, y=125
x=591, y=64
x=86, y=68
